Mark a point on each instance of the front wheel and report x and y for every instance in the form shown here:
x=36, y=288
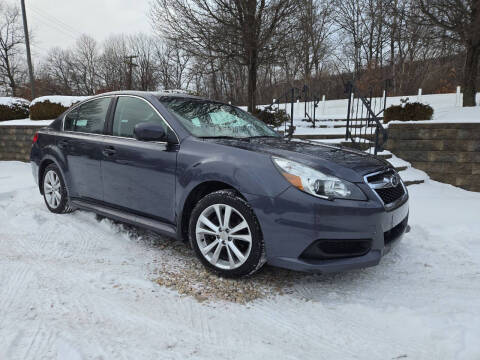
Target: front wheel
x=226, y=236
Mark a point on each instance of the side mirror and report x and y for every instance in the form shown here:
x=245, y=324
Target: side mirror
x=150, y=132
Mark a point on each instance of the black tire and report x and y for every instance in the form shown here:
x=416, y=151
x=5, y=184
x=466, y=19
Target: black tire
x=256, y=257
x=64, y=205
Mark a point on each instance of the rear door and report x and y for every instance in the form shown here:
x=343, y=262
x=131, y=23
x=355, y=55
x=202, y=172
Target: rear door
x=139, y=176
x=82, y=145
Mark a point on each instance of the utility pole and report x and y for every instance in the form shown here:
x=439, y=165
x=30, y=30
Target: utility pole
x=131, y=65
x=27, y=44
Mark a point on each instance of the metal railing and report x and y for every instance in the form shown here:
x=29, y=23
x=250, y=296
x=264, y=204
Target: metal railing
x=311, y=105
x=365, y=112
x=290, y=96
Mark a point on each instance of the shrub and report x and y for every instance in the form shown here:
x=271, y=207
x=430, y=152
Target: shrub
x=408, y=112
x=13, y=109
x=46, y=110
x=50, y=107
x=273, y=118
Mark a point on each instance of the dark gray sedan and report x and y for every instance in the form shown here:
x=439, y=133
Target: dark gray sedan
x=214, y=175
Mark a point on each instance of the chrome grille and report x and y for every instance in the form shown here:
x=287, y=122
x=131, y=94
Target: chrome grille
x=387, y=184
x=390, y=195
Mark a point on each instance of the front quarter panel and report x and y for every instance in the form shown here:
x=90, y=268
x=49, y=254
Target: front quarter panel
x=246, y=171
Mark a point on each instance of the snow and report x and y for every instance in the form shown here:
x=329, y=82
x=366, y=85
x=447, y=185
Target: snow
x=334, y=112
x=9, y=101
x=72, y=287
x=412, y=174
x=65, y=101
x=26, y=122
x=321, y=131
x=397, y=162
x=337, y=109
x=449, y=115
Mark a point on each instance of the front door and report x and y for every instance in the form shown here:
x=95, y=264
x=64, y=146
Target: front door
x=82, y=145
x=139, y=176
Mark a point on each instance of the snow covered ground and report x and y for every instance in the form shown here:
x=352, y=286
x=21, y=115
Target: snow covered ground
x=444, y=105
x=73, y=287
x=337, y=109
x=449, y=115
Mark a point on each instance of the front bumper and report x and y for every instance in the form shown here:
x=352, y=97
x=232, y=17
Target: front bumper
x=293, y=221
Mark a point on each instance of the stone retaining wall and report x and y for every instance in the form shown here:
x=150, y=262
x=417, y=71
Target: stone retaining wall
x=449, y=153
x=16, y=142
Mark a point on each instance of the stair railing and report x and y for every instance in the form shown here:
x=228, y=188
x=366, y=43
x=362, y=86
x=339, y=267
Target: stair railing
x=364, y=126
x=311, y=104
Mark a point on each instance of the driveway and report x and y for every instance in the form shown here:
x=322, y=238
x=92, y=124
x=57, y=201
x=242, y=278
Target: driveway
x=79, y=287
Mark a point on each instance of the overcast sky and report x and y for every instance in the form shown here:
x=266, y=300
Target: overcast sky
x=60, y=22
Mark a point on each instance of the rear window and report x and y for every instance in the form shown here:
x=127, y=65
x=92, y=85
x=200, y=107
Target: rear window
x=89, y=117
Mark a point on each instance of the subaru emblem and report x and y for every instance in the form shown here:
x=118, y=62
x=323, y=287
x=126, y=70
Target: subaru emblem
x=394, y=180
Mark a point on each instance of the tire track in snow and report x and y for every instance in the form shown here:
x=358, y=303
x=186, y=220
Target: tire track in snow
x=38, y=343
x=320, y=324
x=303, y=331
x=14, y=283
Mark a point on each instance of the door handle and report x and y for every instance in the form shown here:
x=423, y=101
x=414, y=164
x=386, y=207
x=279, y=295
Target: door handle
x=109, y=151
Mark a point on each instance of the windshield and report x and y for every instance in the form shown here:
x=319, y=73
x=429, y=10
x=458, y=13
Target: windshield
x=207, y=119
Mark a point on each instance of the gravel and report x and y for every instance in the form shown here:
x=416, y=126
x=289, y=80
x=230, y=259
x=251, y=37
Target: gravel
x=176, y=267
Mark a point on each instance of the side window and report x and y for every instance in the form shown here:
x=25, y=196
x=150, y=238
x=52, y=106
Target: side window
x=131, y=111
x=70, y=119
x=89, y=117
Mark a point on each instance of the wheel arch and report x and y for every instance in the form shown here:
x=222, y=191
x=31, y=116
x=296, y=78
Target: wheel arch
x=197, y=193
x=46, y=161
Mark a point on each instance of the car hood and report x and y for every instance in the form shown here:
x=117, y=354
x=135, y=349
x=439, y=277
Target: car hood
x=345, y=163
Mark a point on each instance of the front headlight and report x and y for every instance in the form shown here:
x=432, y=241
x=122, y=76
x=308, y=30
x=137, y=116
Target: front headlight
x=317, y=183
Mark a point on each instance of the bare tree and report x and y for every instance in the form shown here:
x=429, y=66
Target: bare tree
x=460, y=20
x=112, y=69
x=315, y=27
x=229, y=29
x=58, y=70
x=143, y=46
x=253, y=50
x=412, y=47
x=173, y=65
x=349, y=20
x=11, y=37
x=85, y=63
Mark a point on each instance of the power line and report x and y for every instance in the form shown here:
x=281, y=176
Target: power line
x=53, y=18
x=56, y=27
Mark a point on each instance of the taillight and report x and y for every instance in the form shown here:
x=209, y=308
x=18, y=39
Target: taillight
x=35, y=138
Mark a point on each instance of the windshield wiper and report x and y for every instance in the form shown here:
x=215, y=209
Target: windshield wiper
x=223, y=137
x=263, y=136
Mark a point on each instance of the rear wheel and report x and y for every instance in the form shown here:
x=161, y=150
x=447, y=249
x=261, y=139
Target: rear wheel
x=226, y=235
x=55, y=191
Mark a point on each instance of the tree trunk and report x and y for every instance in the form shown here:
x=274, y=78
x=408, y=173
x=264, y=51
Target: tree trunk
x=13, y=85
x=11, y=77
x=252, y=80
x=470, y=75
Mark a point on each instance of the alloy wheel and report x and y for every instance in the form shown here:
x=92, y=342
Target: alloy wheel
x=223, y=236
x=52, y=189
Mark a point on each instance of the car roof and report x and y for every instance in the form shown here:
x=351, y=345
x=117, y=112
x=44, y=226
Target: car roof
x=158, y=94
